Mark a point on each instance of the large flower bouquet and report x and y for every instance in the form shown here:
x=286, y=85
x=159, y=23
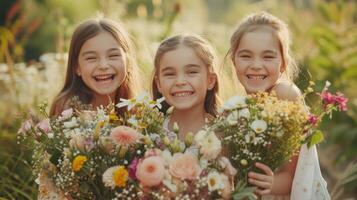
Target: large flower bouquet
x=188, y=170
x=101, y=155
x=91, y=154
x=263, y=128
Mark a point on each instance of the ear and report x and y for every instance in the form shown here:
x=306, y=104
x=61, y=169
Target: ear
x=78, y=71
x=282, y=67
x=212, y=79
x=157, y=81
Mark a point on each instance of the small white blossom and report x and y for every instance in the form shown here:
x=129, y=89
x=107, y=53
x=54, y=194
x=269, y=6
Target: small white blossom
x=259, y=126
x=244, y=113
x=215, y=181
x=234, y=102
x=71, y=124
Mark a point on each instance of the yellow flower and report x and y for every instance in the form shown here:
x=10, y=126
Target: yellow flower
x=78, y=162
x=120, y=176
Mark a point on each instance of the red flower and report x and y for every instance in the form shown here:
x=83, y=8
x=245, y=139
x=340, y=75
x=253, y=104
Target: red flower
x=312, y=119
x=341, y=101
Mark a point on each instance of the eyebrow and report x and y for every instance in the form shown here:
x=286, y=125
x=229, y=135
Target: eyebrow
x=167, y=68
x=247, y=51
x=94, y=52
x=193, y=66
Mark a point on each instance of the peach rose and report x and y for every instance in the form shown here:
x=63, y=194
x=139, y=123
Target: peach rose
x=184, y=166
x=150, y=171
x=124, y=135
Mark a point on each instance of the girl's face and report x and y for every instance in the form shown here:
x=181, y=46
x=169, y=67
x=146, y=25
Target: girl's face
x=258, y=60
x=101, y=64
x=183, y=78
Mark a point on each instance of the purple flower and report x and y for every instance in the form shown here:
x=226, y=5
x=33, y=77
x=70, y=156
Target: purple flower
x=132, y=168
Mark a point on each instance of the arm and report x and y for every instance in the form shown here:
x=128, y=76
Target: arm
x=287, y=91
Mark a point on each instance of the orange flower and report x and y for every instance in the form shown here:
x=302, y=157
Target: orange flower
x=78, y=162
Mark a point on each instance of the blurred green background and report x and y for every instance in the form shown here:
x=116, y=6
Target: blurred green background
x=35, y=35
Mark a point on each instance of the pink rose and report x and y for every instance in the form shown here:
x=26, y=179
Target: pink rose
x=44, y=125
x=150, y=171
x=184, y=166
x=124, y=135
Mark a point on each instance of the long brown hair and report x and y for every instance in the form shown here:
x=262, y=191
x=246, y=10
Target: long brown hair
x=205, y=52
x=262, y=20
x=74, y=85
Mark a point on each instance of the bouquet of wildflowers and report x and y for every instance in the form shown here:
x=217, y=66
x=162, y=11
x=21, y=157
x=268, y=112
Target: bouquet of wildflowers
x=263, y=128
x=93, y=154
x=188, y=170
x=101, y=155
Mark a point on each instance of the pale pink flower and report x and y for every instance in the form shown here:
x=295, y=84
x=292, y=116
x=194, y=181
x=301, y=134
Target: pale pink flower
x=124, y=135
x=77, y=142
x=25, y=127
x=150, y=171
x=44, y=125
x=184, y=166
x=153, y=152
x=66, y=114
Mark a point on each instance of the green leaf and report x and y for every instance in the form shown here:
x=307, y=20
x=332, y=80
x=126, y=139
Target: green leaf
x=243, y=192
x=316, y=138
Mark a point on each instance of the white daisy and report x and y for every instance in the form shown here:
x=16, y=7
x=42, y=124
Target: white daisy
x=259, y=125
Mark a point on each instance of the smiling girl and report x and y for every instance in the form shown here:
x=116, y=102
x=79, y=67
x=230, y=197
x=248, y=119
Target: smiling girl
x=185, y=75
x=260, y=52
x=101, y=69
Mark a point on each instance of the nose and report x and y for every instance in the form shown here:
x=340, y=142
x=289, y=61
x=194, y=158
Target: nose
x=103, y=64
x=257, y=64
x=181, y=80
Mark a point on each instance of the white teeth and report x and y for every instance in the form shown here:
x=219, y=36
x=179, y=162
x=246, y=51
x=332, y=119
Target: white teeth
x=256, y=77
x=182, y=94
x=104, y=77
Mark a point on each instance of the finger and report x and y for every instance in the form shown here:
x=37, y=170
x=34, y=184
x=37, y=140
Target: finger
x=265, y=168
x=260, y=177
x=261, y=184
x=263, y=192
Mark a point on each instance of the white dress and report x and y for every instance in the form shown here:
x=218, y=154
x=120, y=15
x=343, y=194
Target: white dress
x=308, y=183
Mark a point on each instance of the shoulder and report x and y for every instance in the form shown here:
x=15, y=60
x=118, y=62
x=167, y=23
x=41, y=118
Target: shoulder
x=287, y=91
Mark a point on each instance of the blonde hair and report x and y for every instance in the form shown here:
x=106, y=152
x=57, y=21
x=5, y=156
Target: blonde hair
x=204, y=51
x=261, y=20
x=74, y=85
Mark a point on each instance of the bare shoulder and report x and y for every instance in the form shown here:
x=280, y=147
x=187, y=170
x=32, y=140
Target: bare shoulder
x=287, y=91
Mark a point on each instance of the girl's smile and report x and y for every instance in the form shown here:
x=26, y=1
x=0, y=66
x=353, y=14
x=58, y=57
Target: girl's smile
x=258, y=60
x=101, y=64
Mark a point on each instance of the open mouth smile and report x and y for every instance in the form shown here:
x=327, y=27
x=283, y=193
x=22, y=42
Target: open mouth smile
x=182, y=94
x=105, y=77
x=256, y=77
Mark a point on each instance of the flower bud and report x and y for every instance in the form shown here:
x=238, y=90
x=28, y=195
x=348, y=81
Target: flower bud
x=189, y=139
